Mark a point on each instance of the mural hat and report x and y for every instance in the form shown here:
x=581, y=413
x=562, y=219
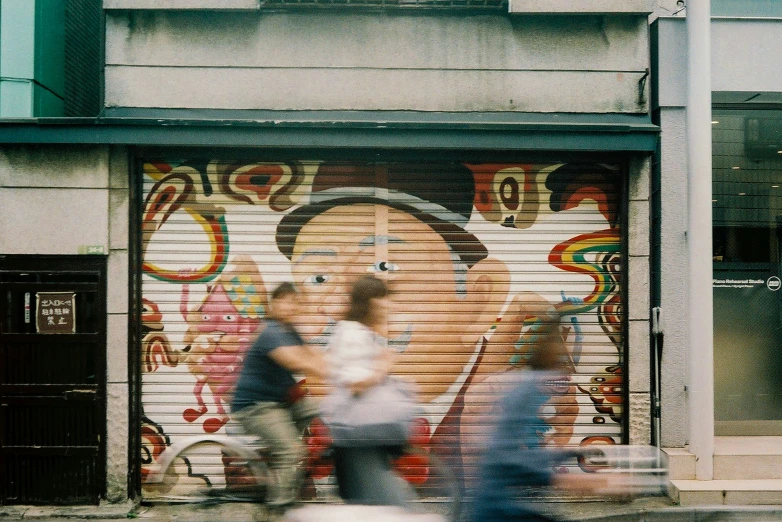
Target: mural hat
x=438, y=194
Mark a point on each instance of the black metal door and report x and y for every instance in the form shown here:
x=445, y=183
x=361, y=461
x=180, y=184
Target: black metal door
x=52, y=379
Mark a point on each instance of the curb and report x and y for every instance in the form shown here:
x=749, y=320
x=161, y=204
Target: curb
x=104, y=510
x=581, y=512
x=705, y=513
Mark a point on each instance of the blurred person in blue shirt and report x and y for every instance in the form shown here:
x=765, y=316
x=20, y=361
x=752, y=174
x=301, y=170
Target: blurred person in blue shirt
x=516, y=461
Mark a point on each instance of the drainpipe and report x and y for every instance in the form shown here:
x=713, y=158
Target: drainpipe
x=699, y=228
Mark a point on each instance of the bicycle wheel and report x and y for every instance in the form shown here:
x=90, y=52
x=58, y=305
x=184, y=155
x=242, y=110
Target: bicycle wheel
x=434, y=482
x=210, y=470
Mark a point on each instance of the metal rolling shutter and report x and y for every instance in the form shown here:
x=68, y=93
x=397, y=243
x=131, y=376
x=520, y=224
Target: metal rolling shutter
x=475, y=254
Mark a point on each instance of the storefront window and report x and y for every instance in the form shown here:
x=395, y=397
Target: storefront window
x=747, y=233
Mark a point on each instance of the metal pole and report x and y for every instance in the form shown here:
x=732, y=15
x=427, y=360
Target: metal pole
x=657, y=334
x=700, y=305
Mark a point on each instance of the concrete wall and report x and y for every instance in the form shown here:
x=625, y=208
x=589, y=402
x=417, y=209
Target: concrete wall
x=742, y=54
x=669, y=98
x=117, y=391
x=674, y=287
x=332, y=60
x=638, y=250
x=55, y=200
x=58, y=200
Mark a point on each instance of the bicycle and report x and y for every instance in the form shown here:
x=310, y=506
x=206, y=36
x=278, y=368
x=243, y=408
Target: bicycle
x=234, y=468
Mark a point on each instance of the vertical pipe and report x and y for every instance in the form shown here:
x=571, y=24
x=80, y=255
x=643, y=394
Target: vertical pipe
x=699, y=231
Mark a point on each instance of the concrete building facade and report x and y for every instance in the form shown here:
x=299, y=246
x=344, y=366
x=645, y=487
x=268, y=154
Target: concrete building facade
x=239, y=110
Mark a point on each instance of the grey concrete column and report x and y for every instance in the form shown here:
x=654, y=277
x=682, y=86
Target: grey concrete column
x=699, y=248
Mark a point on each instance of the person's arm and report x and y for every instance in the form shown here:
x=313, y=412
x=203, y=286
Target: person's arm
x=301, y=359
x=385, y=361
x=604, y=484
x=381, y=370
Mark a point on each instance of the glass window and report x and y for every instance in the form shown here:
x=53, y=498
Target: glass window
x=747, y=221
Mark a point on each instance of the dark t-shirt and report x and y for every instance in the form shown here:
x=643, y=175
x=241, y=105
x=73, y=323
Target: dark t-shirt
x=262, y=379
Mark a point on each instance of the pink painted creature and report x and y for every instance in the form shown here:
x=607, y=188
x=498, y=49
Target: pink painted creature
x=219, y=333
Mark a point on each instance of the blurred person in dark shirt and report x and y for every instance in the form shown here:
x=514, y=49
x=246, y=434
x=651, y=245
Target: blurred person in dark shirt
x=267, y=400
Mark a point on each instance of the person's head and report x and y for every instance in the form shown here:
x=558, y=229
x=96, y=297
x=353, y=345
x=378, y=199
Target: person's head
x=367, y=302
x=405, y=226
x=550, y=352
x=284, y=304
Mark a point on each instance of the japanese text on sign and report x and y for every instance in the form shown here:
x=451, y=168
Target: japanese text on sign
x=55, y=312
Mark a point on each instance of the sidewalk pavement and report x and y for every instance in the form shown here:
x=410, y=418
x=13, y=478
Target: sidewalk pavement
x=649, y=509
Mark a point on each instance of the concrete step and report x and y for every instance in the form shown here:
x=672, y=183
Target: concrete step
x=726, y=492
x=751, y=458
x=681, y=464
x=747, y=471
x=735, y=458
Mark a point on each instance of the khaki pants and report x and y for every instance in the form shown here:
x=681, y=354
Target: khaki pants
x=280, y=427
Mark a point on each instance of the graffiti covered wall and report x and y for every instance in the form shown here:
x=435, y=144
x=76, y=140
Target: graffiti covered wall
x=476, y=255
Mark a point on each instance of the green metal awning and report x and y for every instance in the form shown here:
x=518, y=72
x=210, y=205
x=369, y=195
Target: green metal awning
x=340, y=129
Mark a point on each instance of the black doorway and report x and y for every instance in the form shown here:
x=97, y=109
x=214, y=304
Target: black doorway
x=52, y=379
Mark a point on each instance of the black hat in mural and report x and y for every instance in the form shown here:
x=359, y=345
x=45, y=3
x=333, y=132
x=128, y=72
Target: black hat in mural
x=438, y=194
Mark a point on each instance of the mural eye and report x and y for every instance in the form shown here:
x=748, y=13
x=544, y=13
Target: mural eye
x=206, y=318
x=317, y=279
x=229, y=318
x=383, y=266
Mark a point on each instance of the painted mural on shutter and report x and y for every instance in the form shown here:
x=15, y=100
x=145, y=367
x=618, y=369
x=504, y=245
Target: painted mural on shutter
x=476, y=256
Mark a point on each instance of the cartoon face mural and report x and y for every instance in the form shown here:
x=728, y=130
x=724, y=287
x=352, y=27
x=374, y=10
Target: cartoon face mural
x=475, y=255
x=323, y=249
